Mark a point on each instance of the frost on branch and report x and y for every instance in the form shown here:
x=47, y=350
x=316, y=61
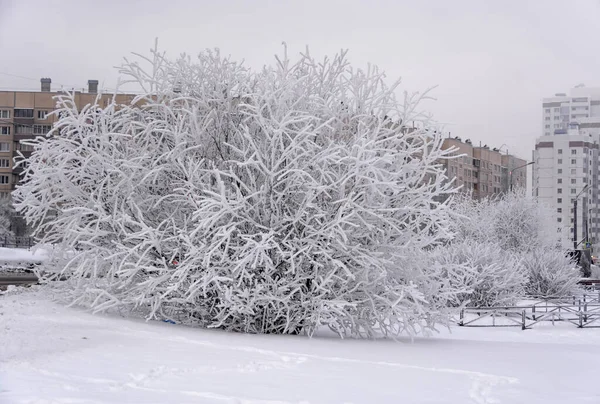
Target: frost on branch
x=276, y=201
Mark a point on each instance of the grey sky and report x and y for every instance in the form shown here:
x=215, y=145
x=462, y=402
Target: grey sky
x=493, y=61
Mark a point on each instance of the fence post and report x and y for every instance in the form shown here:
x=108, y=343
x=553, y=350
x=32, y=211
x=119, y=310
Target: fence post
x=462, y=317
x=585, y=313
x=580, y=319
x=523, y=321
x=533, y=312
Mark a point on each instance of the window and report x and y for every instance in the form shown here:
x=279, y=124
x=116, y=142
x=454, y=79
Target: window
x=559, y=200
x=4, y=114
x=42, y=114
x=23, y=113
x=4, y=130
x=559, y=190
x=547, y=110
x=573, y=151
x=559, y=230
x=41, y=129
x=556, y=110
x=27, y=147
x=547, y=126
x=573, y=191
x=558, y=210
x=557, y=118
x=573, y=171
x=4, y=163
x=559, y=161
x=547, y=118
x=559, y=180
x=573, y=180
x=559, y=151
x=560, y=170
x=23, y=129
x=4, y=179
x=4, y=146
x=547, y=133
x=559, y=219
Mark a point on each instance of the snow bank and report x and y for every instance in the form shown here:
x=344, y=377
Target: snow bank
x=8, y=255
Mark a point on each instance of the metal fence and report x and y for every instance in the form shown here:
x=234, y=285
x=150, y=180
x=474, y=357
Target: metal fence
x=582, y=311
x=17, y=242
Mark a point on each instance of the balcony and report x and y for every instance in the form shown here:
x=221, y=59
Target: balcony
x=23, y=116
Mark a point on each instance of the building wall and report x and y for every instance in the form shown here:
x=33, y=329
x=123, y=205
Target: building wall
x=565, y=164
x=566, y=157
x=480, y=170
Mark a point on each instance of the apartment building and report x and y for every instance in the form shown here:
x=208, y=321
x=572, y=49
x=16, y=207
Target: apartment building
x=482, y=171
x=567, y=165
x=25, y=115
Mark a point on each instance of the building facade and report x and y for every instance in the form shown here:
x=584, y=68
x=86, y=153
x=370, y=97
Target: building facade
x=25, y=115
x=482, y=171
x=566, y=165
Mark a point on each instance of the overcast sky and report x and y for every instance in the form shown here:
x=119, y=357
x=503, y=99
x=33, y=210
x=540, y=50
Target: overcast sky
x=493, y=61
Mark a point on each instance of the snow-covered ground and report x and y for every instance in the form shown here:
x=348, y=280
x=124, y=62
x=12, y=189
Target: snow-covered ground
x=53, y=354
x=8, y=255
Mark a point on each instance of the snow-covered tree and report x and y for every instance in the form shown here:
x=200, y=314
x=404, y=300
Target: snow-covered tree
x=550, y=273
x=514, y=221
x=521, y=227
x=489, y=275
x=276, y=201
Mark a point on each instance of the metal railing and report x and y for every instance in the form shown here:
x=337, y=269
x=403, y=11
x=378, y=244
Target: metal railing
x=582, y=311
x=17, y=242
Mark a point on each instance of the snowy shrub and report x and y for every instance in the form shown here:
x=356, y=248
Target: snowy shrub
x=521, y=227
x=488, y=275
x=550, y=274
x=514, y=221
x=275, y=201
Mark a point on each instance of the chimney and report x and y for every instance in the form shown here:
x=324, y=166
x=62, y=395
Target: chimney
x=46, y=82
x=92, y=86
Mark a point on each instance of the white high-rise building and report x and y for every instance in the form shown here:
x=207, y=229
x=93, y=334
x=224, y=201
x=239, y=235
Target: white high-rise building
x=566, y=161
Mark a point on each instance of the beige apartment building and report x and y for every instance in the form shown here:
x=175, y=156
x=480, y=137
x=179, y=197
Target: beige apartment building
x=482, y=171
x=25, y=115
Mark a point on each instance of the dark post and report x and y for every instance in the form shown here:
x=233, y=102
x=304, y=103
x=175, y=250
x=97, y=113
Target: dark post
x=575, y=224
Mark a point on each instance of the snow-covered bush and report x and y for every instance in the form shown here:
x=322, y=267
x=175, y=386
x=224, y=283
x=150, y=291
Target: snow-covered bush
x=550, y=274
x=488, y=275
x=514, y=221
x=521, y=227
x=275, y=201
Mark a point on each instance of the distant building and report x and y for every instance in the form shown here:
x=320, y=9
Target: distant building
x=566, y=158
x=483, y=171
x=24, y=115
